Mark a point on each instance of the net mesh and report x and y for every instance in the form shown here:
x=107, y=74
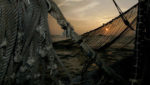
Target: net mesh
x=114, y=34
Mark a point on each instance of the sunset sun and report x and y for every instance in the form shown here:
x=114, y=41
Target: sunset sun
x=107, y=29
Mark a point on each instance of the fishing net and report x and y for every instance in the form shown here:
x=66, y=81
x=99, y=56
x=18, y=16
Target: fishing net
x=114, y=34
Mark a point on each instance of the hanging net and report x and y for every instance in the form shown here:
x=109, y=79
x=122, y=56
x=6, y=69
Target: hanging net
x=114, y=34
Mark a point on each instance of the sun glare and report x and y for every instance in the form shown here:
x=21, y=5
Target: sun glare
x=107, y=29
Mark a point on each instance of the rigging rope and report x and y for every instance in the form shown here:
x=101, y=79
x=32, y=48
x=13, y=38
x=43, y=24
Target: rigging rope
x=121, y=15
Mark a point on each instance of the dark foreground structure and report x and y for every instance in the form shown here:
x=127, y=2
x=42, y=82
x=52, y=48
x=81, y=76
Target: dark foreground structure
x=142, y=41
x=27, y=56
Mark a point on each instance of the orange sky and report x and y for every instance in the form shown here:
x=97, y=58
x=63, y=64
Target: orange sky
x=86, y=15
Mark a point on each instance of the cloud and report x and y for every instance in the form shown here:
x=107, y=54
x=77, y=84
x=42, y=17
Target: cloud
x=74, y=0
x=68, y=2
x=87, y=7
x=83, y=10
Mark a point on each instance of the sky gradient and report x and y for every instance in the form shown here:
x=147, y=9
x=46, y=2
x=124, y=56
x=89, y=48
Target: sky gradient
x=86, y=15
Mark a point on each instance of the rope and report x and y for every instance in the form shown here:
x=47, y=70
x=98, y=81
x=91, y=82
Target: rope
x=123, y=17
